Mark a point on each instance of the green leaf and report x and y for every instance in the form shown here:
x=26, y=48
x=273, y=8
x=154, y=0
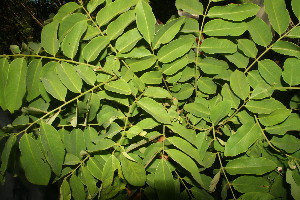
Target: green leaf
x=182, y=131
x=109, y=167
x=52, y=147
x=186, y=147
x=250, y=165
x=145, y=20
x=119, y=86
x=71, y=159
x=219, y=27
x=33, y=79
x=211, y=65
x=275, y=117
x=288, y=143
x=185, y=92
x=296, y=8
x=152, y=77
x=287, y=48
x=70, y=43
x=175, y=66
x=155, y=109
x=294, y=186
x=68, y=76
x=138, y=52
x=10, y=143
x=265, y=106
x=142, y=64
x=93, y=4
x=86, y=73
x=220, y=111
x=4, y=70
x=238, y=59
x=270, y=71
x=166, y=33
x=292, y=123
x=65, y=10
x=239, y=84
x=227, y=94
x=175, y=49
x=74, y=142
x=247, y=47
x=157, y=92
x=278, y=15
x=92, y=50
x=36, y=170
x=68, y=23
x=164, y=182
x=113, y=9
x=133, y=172
x=51, y=81
x=291, y=72
x=192, y=6
x=244, y=137
x=261, y=91
x=207, y=85
x=16, y=84
x=216, y=45
x=49, y=39
x=260, y=32
x=65, y=191
x=234, y=12
x=116, y=28
x=187, y=163
x=256, y=195
x=128, y=40
x=77, y=188
x=246, y=184
x=95, y=166
x=294, y=33
x=89, y=181
x=102, y=144
x=197, y=109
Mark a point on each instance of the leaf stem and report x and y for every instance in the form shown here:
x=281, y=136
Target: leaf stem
x=269, y=47
x=63, y=105
x=222, y=168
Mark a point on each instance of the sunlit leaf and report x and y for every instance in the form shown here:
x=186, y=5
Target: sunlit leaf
x=288, y=143
x=92, y=50
x=145, y=20
x=219, y=27
x=265, y=106
x=260, y=32
x=235, y=12
x=248, y=47
x=192, y=6
x=77, y=188
x=49, y=39
x=175, y=49
x=287, y=48
x=113, y=9
x=291, y=72
x=277, y=14
x=166, y=33
x=216, y=45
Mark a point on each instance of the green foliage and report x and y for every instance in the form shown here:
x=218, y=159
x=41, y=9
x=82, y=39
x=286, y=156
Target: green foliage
x=115, y=106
